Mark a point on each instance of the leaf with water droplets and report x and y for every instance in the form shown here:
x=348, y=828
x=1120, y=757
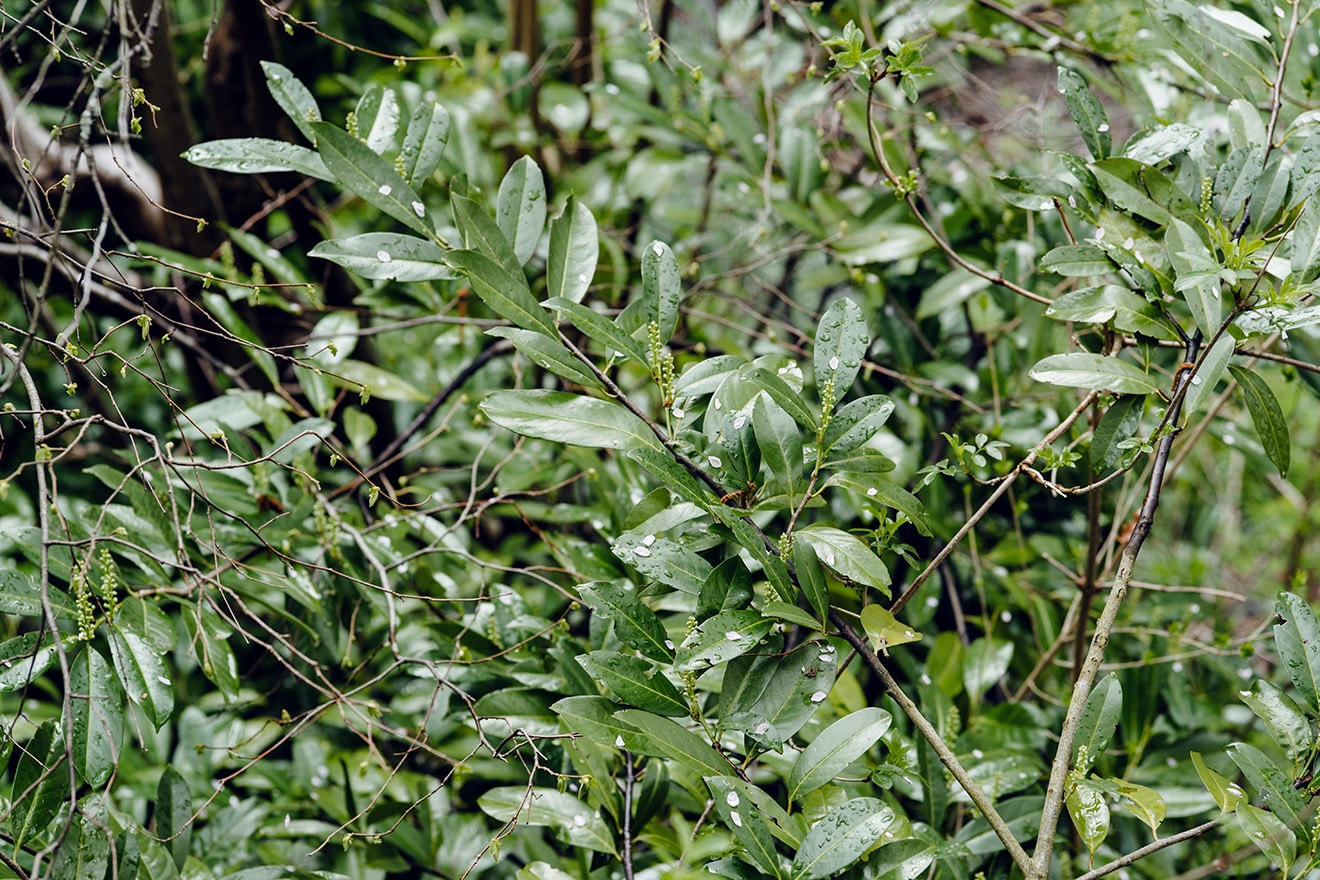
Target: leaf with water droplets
x=842, y=836
x=1269, y=783
x=1089, y=813
x=257, y=156
x=1272, y=836
x=574, y=249
x=358, y=169
x=1297, y=639
x=841, y=343
x=294, y=98
x=424, y=142
x=834, y=748
x=748, y=824
x=520, y=207
x=661, y=290
x=386, y=255
x=721, y=638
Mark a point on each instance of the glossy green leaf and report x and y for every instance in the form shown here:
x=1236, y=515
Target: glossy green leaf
x=1145, y=803
x=22, y=661
x=1222, y=54
x=1128, y=310
x=84, y=851
x=211, y=644
x=842, y=836
x=1032, y=193
x=999, y=773
x=1208, y=374
x=1297, y=640
x=483, y=234
x=1226, y=793
x=1163, y=142
x=1236, y=180
x=665, y=560
x=780, y=442
x=884, y=631
x=174, y=814
x=1077, y=261
x=1271, y=194
x=507, y=295
x=635, y=681
x=781, y=393
x=811, y=578
x=377, y=115
x=568, y=418
x=1189, y=256
x=785, y=828
x=721, y=638
x=881, y=492
x=1081, y=369
x=1087, y=112
x=41, y=783
x=548, y=353
x=1304, y=252
x=1128, y=185
x=377, y=382
x=907, y=859
x=574, y=249
x=771, y=695
x=791, y=614
x=599, y=328
x=1291, y=730
x=856, y=422
x=1119, y=422
x=574, y=821
x=1266, y=415
x=675, y=742
x=1270, y=785
x=834, y=748
x=593, y=717
x=661, y=287
x=847, y=556
x=358, y=169
x=1095, y=729
x=98, y=717
x=749, y=826
x=143, y=675
x=257, y=156
x=985, y=663
x=386, y=255
x=1089, y=814
x=1268, y=832
x=520, y=207
x=841, y=343
x=294, y=98
x=424, y=142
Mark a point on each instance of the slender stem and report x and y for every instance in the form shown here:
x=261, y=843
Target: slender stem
x=1146, y=850
x=1276, y=93
x=937, y=743
x=628, y=779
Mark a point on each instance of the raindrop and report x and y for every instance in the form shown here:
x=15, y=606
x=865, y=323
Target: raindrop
x=383, y=256
x=419, y=209
x=732, y=799
x=642, y=551
x=737, y=820
x=733, y=635
x=834, y=363
x=818, y=696
x=579, y=821
x=648, y=540
x=385, y=189
x=658, y=248
x=582, y=278
x=714, y=461
x=871, y=492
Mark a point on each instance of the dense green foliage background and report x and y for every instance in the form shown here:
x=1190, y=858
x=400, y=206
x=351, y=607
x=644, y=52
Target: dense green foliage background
x=435, y=444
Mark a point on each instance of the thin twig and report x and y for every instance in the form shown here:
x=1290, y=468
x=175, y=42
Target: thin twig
x=1148, y=849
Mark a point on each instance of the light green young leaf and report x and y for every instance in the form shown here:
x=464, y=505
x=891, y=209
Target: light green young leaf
x=386, y=255
x=748, y=824
x=841, y=343
x=1099, y=719
x=574, y=249
x=505, y=293
x=294, y=98
x=574, y=821
x=98, y=717
x=835, y=748
x=1226, y=793
x=1144, y=803
x=378, y=382
x=1297, y=640
x=1267, y=416
x=884, y=631
x=1087, y=112
x=520, y=207
x=257, y=156
x=847, y=555
x=1081, y=369
x=367, y=175
x=780, y=442
x=1089, y=813
x=842, y=836
x=424, y=142
x=568, y=418
x=1268, y=832
x=143, y=675
x=661, y=287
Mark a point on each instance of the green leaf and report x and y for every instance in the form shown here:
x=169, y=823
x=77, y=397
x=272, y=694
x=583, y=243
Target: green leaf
x=780, y=442
x=841, y=837
x=1144, y=803
x=1163, y=142
x=635, y=681
x=574, y=249
x=771, y=695
x=1268, y=832
x=1266, y=416
x=593, y=717
x=1087, y=112
x=835, y=748
x=424, y=143
x=599, y=328
x=568, y=418
x=483, y=234
x=1129, y=185
x=1297, y=640
x=841, y=343
x=847, y=555
x=636, y=625
x=1272, y=784
x=386, y=255
x=377, y=114
x=1304, y=252
x=174, y=814
x=884, y=631
x=1270, y=195
x=1287, y=723
x=661, y=288
x=1081, y=369
x=985, y=663
x=257, y=156
x=677, y=743
x=1032, y=193
x=1236, y=181
x=294, y=98
x=855, y=423
x=1212, y=366
x=1118, y=423
x=748, y=824
x=1089, y=814
x=1099, y=720
x=781, y=393
x=1220, y=53
x=548, y=353
x=520, y=207
x=905, y=859
x=881, y=492
x=811, y=578
x=211, y=642
x=367, y=175
x=721, y=638
x=143, y=675
x=41, y=784
x=506, y=294
x=575, y=822
x=84, y=852
x=1226, y=793
x=22, y=661
x=1128, y=310
x=1077, y=261
x=98, y=717
x=378, y=382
